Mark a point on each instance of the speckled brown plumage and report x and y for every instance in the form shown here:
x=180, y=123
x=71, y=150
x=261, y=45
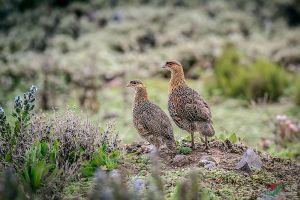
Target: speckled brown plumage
x=187, y=108
x=151, y=122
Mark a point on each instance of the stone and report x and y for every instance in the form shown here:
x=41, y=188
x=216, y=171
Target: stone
x=250, y=161
x=208, y=162
x=180, y=160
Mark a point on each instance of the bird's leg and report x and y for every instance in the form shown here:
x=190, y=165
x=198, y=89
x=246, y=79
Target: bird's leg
x=206, y=143
x=193, y=144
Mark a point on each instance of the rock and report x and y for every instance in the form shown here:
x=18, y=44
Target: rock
x=208, y=162
x=180, y=160
x=250, y=161
x=246, y=168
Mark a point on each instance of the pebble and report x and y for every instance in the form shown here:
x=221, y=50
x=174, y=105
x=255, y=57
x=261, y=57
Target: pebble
x=180, y=160
x=208, y=162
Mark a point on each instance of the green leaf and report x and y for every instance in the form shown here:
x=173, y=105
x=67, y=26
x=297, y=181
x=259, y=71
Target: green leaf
x=275, y=191
x=26, y=176
x=104, y=148
x=37, y=167
x=233, y=138
x=101, y=159
x=110, y=164
x=53, y=156
x=14, y=114
x=44, y=148
x=8, y=157
x=115, y=154
x=17, y=127
x=37, y=173
x=88, y=171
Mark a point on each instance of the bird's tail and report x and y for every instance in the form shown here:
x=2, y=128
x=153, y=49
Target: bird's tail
x=172, y=145
x=169, y=146
x=205, y=128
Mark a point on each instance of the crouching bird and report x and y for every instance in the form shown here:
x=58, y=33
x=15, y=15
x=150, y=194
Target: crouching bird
x=187, y=108
x=151, y=122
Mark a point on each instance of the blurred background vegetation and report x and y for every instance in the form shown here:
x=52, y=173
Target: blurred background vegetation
x=242, y=56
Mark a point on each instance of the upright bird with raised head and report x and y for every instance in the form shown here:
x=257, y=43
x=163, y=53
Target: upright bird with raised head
x=187, y=108
x=151, y=122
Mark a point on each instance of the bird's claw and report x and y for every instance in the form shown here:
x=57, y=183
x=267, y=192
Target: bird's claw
x=206, y=148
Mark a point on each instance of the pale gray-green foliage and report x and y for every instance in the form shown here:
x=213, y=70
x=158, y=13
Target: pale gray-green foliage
x=206, y=35
x=196, y=32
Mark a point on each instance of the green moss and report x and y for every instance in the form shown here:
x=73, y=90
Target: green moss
x=235, y=185
x=225, y=184
x=226, y=193
x=78, y=190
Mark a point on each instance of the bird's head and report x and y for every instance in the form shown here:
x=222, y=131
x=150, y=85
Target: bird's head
x=172, y=65
x=136, y=84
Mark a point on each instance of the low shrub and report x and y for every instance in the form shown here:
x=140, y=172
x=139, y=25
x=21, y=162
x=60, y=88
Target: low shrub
x=265, y=79
x=11, y=135
x=184, y=150
x=49, y=151
x=103, y=158
x=260, y=80
x=40, y=164
x=226, y=69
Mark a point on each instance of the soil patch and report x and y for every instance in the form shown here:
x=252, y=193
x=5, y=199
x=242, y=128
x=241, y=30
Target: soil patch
x=223, y=178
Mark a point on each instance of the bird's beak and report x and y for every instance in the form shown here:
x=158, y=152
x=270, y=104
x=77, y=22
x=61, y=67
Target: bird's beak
x=128, y=85
x=164, y=67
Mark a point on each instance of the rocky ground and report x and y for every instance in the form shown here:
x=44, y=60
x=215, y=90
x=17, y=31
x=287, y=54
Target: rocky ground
x=217, y=171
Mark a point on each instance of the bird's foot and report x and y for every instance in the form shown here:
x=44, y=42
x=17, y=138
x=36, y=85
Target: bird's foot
x=193, y=146
x=206, y=148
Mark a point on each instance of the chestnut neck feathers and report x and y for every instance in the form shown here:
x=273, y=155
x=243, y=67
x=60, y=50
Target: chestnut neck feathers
x=177, y=78
x=141, y=95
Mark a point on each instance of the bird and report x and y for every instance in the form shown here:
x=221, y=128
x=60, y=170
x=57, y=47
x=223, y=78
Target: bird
x=151, y=122
x=187, y=108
